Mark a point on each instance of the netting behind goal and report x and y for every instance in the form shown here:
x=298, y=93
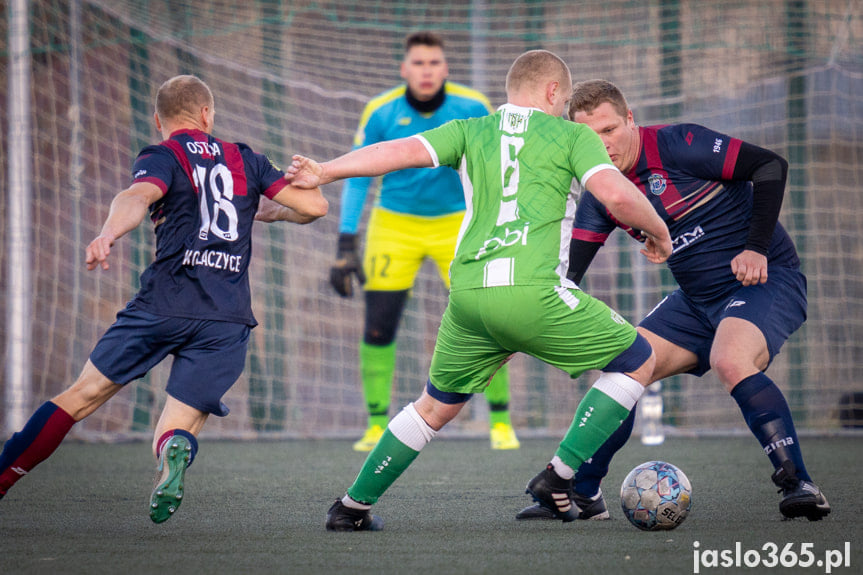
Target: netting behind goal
x=292, y=77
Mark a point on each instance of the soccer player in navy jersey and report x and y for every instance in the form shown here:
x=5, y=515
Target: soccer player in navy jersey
x=741, y=293
x=202, y=195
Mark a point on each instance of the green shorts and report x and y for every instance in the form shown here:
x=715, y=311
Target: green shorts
x=482, y=328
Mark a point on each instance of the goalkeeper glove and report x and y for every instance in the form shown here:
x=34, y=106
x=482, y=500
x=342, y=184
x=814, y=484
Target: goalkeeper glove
x=347, y=263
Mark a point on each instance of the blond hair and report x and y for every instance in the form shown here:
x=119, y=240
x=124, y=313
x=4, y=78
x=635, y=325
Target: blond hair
x=534, y=68
x=182, y=97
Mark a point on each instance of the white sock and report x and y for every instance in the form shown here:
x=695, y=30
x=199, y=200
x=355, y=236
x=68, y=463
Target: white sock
x=620, y=387
x=347, y=501
x=562, y=468
x=411, y=429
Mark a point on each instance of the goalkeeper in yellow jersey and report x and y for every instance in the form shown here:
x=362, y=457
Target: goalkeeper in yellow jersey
x=417, y=214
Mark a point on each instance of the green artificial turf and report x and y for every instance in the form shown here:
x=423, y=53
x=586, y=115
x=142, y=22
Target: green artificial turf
x=260, y=508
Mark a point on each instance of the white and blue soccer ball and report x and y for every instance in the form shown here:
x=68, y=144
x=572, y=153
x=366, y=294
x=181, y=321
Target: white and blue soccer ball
x=656, y=496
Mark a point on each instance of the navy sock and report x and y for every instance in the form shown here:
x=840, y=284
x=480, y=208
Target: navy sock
x=182, y=432
x=766, y=413
x=41, y=435
x=590, y=473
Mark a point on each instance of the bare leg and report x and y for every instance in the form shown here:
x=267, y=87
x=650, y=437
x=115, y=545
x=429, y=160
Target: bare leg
x=89, y=392
x=178, y=415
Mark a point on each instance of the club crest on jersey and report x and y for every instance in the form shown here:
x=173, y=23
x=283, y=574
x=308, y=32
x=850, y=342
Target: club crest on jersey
x=404, y=121
x=657, y=184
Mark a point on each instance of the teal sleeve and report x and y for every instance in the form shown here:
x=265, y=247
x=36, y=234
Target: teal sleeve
x=355, y=190
x=354, y=194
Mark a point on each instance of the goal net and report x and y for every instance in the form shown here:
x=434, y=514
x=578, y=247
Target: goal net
x=293, y=77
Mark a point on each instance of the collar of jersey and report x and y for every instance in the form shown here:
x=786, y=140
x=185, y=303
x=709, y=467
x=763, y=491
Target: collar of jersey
x=428, y=106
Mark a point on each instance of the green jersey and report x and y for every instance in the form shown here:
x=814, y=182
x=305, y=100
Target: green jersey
x=517, y=167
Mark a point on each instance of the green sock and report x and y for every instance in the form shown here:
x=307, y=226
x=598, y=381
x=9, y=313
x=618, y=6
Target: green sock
x=386, y=462
x=377, y=366
x=497, y=394
x=380, y=420
x=498, y=416
x=596, y=418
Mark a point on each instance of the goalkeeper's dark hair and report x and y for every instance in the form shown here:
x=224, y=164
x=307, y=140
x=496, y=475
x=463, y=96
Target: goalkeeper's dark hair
x=182, y=96
x=423, y=38
x=588, y=95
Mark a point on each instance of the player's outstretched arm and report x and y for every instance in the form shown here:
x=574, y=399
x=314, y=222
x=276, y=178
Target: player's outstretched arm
x=628, y=205
x=374, y=160
x=271, y=211
x=304, y=173
x=128, y=209
x=305, y=205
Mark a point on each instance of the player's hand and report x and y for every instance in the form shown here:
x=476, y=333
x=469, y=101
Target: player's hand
x=656, y=250
x=304, y=172
x=97, y=252
x=347, y=264
x=270, y=211
x=750, y=268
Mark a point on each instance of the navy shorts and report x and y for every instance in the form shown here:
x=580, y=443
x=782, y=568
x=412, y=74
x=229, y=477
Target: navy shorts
x=209, y=356
x=777, y=308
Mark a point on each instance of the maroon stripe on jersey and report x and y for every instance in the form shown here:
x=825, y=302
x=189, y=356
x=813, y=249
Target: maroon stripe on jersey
x=155, y=181
x=180, y=154
x=588, y=236
x=671, y=198
x=731, y=158
x=235, y=162
x=275, y=188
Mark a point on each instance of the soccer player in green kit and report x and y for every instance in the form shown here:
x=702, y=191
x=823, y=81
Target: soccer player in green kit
x=509, y=292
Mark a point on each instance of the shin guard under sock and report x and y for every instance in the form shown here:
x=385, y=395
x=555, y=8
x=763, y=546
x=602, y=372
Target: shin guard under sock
x=602, y=410
x=41, y=435
x=591, y=472
x=406, y=434
x=377, y=366
x=767, y=414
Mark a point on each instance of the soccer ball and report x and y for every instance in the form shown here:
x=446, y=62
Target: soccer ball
x=656, y=496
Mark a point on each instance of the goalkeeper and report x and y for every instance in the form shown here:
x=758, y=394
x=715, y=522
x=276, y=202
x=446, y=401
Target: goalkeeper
x=202, y=195
x=416, y=215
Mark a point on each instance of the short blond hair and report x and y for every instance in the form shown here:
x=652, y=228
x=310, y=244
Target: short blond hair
x=588, y=95
x=182, y=97
x=534, y=68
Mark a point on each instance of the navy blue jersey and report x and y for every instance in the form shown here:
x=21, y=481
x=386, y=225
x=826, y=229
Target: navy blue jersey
x=685, y=171
x=203, y=225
